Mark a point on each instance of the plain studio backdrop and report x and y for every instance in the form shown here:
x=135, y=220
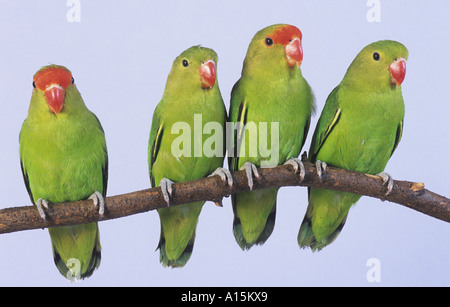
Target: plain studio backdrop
x=120, y=55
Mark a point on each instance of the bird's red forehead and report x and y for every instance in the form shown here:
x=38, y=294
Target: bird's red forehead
x=51, y=75
x=283, y=34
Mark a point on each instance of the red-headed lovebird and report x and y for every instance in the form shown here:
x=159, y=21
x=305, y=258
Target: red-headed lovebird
x=272, y=103
x=64, y=158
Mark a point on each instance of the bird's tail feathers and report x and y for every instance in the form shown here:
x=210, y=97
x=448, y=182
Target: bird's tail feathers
x=263, y=236
x=306, y=237
x=181, y=260
x=72, y=268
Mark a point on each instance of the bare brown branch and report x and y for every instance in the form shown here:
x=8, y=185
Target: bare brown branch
x=410, y=194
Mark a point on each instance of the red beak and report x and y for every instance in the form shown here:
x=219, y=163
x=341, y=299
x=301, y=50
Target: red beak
x=55, y=95
x=208, y=74
x=294, y=52
x=398, y=71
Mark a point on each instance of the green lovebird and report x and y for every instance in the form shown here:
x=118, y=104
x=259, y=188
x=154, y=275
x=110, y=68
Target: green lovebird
x=359, y=129
x=64, y=158
x=271, y=107
x=191, y=103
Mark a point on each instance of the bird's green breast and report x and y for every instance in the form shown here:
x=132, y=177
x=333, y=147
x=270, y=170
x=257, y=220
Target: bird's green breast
x=364, y=137
x=279, y=110
x=63, y=156
x=186, y=124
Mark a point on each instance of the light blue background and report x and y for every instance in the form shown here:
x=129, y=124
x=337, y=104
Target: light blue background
x=120, y=55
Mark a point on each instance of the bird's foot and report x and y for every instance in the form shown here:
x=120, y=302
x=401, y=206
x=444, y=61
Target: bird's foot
x=297, y=164
x=224, y=174
x=321, y=168
x=166, y=189
x=218, y=203
x=388, y=181
x=226, y=177
x=99, y=202
x=250, y=170
x=40, y=205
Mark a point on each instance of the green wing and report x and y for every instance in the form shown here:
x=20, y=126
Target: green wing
x=27, y=182
x=398, y=136
x=328, y=119
x=154, y=143
x=105, y=163
x=238, y=114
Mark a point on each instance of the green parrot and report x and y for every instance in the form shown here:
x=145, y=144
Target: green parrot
x=274, y=99
x=191, y=101
x=64, y=158
x=359, y=129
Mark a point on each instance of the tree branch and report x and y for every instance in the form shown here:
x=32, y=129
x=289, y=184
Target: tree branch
x=410, y=194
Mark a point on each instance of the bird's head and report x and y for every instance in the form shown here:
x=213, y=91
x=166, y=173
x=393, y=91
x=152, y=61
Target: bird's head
x=277, y=46
x=53, y=81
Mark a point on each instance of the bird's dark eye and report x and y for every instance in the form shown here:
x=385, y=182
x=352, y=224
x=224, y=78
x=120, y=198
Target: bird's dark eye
x=185, y=63
x=376, y=56
x=73, y=80
x=34, y=84
x=268, y=41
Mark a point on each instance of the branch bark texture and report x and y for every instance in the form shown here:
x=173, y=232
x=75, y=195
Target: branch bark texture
x=410, y=194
